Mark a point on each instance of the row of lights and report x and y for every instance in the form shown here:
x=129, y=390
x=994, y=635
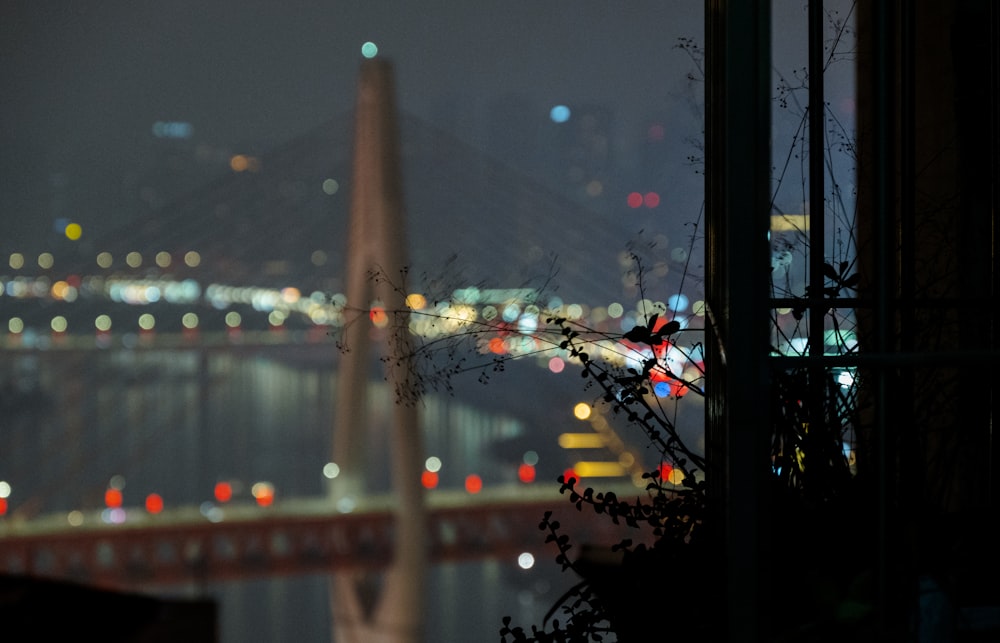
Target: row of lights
x=134, y=259
x=264, y=492
x=102, y=324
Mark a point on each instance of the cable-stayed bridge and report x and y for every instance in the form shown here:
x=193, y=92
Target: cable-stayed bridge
x=194, y=348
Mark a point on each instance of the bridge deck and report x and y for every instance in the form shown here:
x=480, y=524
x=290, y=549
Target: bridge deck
x=296, y=537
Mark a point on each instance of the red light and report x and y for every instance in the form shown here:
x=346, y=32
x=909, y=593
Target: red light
x=223, y=491
x=652, y=199
x=665, y=470
x=634, y=200
x=3, y=506
x=526, y=473
x=429, y=479
x=473, y=483
x=378, y=316
x=570, y=473
x=263, y=493
x=113, y=498
x=496, y=346
x=154, y=503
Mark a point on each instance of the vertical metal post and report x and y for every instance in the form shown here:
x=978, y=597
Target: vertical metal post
x=738, y=161
x=994, y=439
x=817, y=234
x=883, y=170
x=817, y=173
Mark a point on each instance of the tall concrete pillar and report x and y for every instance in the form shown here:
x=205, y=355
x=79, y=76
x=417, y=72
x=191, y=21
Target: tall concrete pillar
x=365, y=608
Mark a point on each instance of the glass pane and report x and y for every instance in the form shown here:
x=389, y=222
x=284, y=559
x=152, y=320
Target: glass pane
x=818, y=392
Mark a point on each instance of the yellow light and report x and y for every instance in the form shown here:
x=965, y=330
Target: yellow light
x=239, y=163
x=676, y=476
x=102, y=323
x=190, y=320
x=581, y=411
x=416, y=301
x=74, y=231
x=45, y=260
x=789, y=222
x=146, y=321
x=581, y=441
x=290, y=295
x=192, y=259
x=15, y=325
x=104, y=260
x=16, y=261
x=163, y=259
x=59, y=324
x=133, y=259
x=599, y=469
x=59, y=289
x=233, y=319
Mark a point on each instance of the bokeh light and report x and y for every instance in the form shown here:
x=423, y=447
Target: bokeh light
x=526, y=472
x=154, y=503
x=113, y=497
x=223, y=491
x=369, y=49
x=263, y=493
x=429, y=479
x=473, y=483
x=559, y=114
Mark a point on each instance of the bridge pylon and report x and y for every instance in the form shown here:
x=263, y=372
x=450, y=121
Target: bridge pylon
x=367, y=608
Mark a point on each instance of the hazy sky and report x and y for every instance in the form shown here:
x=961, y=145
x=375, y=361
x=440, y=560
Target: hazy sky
x=81, y=83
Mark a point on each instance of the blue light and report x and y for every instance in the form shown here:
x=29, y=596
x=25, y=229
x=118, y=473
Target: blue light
x=662, y=389
x=559, y=114
x=678, y=303
x=172, y=129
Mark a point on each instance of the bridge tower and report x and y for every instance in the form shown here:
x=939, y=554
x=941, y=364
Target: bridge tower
x=366, y=608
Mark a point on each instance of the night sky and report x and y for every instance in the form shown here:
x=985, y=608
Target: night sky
x=83, y=83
